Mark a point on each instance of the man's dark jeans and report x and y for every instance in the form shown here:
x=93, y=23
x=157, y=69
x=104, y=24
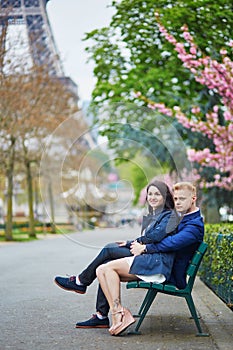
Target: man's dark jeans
x=110, y=252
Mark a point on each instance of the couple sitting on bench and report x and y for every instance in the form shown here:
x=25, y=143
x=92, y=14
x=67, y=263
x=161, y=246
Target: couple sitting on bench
x=172, y=232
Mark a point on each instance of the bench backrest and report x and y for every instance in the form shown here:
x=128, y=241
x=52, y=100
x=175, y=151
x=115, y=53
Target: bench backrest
x=195, y=263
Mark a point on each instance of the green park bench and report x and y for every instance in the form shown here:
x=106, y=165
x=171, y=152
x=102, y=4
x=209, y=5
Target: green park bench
x=154, y=288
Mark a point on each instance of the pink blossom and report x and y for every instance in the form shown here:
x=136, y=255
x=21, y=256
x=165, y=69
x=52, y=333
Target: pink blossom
x=187, y=36
x=184, y=28
x=196, y=110
x=193, y=50
x=223, y=52
x=217, y=76
x=151, y=106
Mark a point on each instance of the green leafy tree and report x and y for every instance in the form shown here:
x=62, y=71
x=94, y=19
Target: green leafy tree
x=139, y=172
x=131, y=55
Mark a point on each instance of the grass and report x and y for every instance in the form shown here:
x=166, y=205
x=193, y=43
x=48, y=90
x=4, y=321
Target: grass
x=22, y=234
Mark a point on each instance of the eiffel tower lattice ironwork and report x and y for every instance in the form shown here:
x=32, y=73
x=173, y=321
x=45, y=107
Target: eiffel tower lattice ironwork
x=33, y=14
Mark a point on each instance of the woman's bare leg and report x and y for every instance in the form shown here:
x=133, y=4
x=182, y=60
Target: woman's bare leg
x=110, y=275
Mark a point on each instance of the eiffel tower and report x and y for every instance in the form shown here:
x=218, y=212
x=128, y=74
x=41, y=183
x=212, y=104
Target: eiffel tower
x=33, y=14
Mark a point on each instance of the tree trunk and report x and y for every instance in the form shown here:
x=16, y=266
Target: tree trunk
x=32, y=232
x=51, y=203
x=10, y=173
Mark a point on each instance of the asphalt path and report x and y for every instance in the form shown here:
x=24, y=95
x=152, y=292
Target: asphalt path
x=36, y=314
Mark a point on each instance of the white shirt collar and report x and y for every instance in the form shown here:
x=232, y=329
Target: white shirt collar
x=194, y=211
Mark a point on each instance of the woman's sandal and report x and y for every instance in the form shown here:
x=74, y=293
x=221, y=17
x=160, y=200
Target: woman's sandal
x=113, y=327
x=126, y=320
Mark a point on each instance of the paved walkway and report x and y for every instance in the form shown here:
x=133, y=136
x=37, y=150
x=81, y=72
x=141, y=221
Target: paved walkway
x=37, y=315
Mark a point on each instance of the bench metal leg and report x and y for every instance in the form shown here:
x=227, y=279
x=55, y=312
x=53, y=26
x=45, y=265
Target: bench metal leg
x=147, y=296
x=148, y=300
x=192, y=309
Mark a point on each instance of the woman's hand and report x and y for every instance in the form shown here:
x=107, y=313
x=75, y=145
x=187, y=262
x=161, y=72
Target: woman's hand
x=137, y=248
x=122, y=243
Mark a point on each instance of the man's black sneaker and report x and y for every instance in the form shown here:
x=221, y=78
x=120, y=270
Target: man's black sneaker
x=94, y=322
x=69, y=283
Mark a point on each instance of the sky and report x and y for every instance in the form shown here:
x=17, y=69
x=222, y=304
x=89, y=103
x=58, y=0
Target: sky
x=70, y=20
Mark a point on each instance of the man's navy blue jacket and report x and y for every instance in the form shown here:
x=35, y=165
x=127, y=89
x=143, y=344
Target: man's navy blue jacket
x=184, y=243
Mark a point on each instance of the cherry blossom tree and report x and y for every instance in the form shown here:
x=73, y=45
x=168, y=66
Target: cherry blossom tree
x=218, y=78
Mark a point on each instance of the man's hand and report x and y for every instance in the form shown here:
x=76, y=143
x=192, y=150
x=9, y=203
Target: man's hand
x=122, y=243
x=137, y=248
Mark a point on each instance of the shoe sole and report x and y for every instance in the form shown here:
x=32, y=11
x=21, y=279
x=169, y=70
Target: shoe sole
x=128, y=320
x=69, y=290
x=92, y=326
x=124, y=329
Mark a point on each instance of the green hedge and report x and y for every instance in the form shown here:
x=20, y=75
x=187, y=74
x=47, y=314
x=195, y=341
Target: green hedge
x=217, y=266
